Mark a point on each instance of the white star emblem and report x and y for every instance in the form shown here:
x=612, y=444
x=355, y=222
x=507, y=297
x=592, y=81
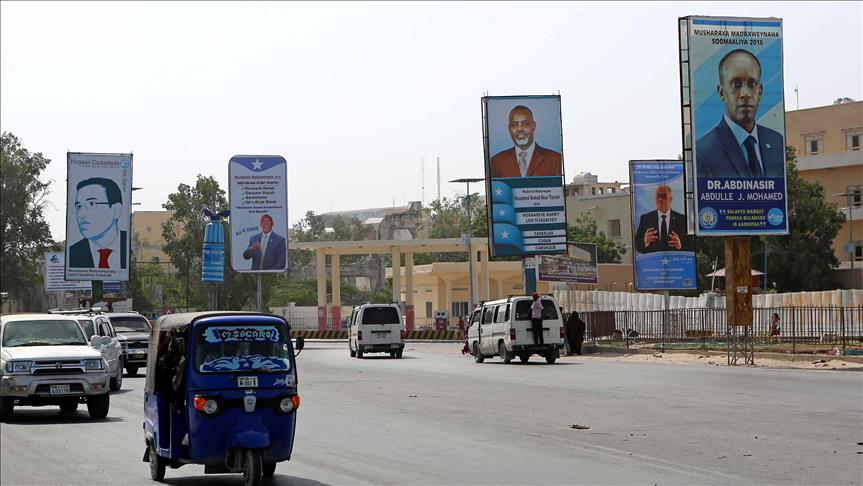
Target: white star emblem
x=498, y=191
x=665, y=261
x=504, y=234
x=256, y=165
x=502, y=212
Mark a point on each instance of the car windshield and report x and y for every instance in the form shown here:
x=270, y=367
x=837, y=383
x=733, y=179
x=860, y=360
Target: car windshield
x=42, y=333
x=130, y=324
x=89, y=329
x=242, y=348
x=522, y=309
x=381, y=315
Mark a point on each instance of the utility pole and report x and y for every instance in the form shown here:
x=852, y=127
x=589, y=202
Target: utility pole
x=470, y=258
x=438, y=178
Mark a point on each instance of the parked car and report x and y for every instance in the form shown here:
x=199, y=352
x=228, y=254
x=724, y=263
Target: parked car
x=503, y=328
x=376, y=328
x=45, y=359
x=95, y=323
x=133, y=331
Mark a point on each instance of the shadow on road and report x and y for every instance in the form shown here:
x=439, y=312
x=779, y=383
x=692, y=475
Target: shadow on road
x=235, y=479
x=55, y=417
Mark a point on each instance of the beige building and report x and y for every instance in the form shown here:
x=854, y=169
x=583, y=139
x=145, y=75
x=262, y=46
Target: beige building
x=828, y=142
x=608, y=205
x=147, y=238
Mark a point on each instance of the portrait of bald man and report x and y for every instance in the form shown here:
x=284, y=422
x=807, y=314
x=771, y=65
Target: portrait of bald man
x=737, y=147
x=663, y=229
x=526, y=158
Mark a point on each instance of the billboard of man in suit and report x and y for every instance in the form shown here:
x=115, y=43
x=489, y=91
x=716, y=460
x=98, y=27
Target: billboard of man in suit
x=98, y=208
x=662, y=229
x=266, y=249
x=526, y=158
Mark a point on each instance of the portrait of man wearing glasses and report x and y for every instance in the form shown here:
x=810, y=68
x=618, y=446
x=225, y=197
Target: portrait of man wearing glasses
x=98, y=207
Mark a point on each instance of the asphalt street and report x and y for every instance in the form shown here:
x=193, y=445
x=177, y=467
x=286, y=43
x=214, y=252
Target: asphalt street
x=436, y=417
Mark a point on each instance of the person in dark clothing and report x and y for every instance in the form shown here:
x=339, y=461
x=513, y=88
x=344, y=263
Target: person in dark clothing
x=575, y=332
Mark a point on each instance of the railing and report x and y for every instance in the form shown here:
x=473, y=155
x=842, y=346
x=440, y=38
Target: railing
x=311, y=323
x=821, y=325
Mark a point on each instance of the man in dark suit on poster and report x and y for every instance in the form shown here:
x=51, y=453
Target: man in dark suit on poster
x=737, y=147
x=98, y=207
x=267, y=249
x=526, y=158
x=662, y=229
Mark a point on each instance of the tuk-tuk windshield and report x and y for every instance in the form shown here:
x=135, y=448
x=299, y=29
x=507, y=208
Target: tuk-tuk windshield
x=239, y=348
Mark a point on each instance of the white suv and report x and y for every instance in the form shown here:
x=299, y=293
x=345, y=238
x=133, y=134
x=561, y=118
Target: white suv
x=46, y=360
x=376, y=328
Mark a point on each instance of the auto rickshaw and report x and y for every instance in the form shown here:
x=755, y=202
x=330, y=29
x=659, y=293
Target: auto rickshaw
x=221, y=391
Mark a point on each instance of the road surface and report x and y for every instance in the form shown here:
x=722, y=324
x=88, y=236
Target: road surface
x=436, y=417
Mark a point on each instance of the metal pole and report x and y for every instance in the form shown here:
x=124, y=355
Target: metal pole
x=469, y=251
x=260, y=294
x=667, y=299
x=851, y=237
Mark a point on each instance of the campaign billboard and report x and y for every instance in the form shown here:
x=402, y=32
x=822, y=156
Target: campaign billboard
x=664, y=253
x=258, y=193
x=734, y=124
x=523, y=145
x=55, y=274
x=98, y=216
x=579, y=265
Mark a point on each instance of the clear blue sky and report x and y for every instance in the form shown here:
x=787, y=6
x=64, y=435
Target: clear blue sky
x=354, y=96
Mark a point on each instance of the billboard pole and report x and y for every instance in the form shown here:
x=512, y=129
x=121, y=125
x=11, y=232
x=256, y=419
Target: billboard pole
x=260, y=293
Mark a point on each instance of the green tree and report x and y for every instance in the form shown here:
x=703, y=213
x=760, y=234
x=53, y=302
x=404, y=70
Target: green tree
x=585, y=231
x=803, y=259
x=26, y=235
x=449, y=220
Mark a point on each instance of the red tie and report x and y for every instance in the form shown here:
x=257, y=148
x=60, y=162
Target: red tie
x=103, y=257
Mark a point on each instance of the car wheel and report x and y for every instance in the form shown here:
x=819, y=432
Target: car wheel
x=69, y=405
x=7, y=405
x=477, y=356
x=351, y=350
x=399, y=354
x=97, y=406
x=524, y=358
x=117, y=381
x=253, y=470
x=269, y=470
x=132, y=370
x=157, y=465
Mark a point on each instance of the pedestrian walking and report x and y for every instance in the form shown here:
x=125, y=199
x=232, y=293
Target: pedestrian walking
x=536, y=319
x=774, y=327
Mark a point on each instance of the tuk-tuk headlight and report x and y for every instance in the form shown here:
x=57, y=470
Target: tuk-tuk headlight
x=289, y=404
x=94, y=364
x=209, y=406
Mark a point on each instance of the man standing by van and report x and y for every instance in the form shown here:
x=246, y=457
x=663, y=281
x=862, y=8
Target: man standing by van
x=536, y=319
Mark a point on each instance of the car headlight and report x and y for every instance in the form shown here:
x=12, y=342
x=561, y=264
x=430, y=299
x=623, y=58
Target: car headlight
x=18, y=366
x=289, y=404
x=94, y=364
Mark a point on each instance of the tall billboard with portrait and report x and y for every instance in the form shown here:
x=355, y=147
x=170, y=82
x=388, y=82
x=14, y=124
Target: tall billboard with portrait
x=664, y=254
x=258, y=193
x=523, y=147
x=736, y=111
x=98, y=216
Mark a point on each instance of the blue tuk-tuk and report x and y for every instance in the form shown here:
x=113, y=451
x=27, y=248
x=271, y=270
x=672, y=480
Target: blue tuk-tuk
x=221, y=391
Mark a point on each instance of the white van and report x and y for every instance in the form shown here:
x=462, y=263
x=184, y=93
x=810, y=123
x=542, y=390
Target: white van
x=376, y=328
x=503, y=328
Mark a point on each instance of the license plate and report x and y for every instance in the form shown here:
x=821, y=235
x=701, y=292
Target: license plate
x=247, y=381
x=60, y=390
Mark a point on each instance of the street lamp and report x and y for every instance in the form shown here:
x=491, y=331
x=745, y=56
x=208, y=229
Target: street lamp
x=467, y=181
x=852, y=248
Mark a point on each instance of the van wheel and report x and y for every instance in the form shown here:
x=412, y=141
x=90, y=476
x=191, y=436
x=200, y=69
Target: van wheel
x=524, y=358
x=157, y=465
x=353, y=353
x=477, y=356
x=359, y=352
x=505, y=357
x=551, y=357
x=399, y=354
x=97, y=406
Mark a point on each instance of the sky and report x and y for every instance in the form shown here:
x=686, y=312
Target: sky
x=356, y=96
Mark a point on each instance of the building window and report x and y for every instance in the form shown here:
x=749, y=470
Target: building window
x=593, y=191
x=858, y=251
x=613, y=227
x=459, y=309
x=813, y=146
x=429, y=309
x=852, y=141
x=855, y=196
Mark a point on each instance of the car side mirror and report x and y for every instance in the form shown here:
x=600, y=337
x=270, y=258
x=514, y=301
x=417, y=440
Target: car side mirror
x=95, y=341
x=299, y=344
x=106, y=340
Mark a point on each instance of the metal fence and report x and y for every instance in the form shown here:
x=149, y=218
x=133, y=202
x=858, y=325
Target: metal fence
x=821, y=325
x=311, y=323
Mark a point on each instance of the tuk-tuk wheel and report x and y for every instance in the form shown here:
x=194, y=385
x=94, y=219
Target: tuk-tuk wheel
x=157, y=465
x=253, y=472
x=269, y=470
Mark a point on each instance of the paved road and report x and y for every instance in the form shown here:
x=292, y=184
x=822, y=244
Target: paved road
x=436, y=417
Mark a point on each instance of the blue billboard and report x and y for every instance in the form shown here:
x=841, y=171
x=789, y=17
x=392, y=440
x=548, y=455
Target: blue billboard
x=663, y=252
x=524, y=175
x=738, y=125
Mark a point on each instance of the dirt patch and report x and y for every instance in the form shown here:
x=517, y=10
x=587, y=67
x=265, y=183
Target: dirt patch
x=720, y=359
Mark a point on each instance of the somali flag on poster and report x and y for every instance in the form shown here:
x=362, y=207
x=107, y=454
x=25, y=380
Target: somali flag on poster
x=528, y=216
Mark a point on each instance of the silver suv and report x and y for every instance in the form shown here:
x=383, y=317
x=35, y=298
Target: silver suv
x=133, y=331
x=46, y=360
